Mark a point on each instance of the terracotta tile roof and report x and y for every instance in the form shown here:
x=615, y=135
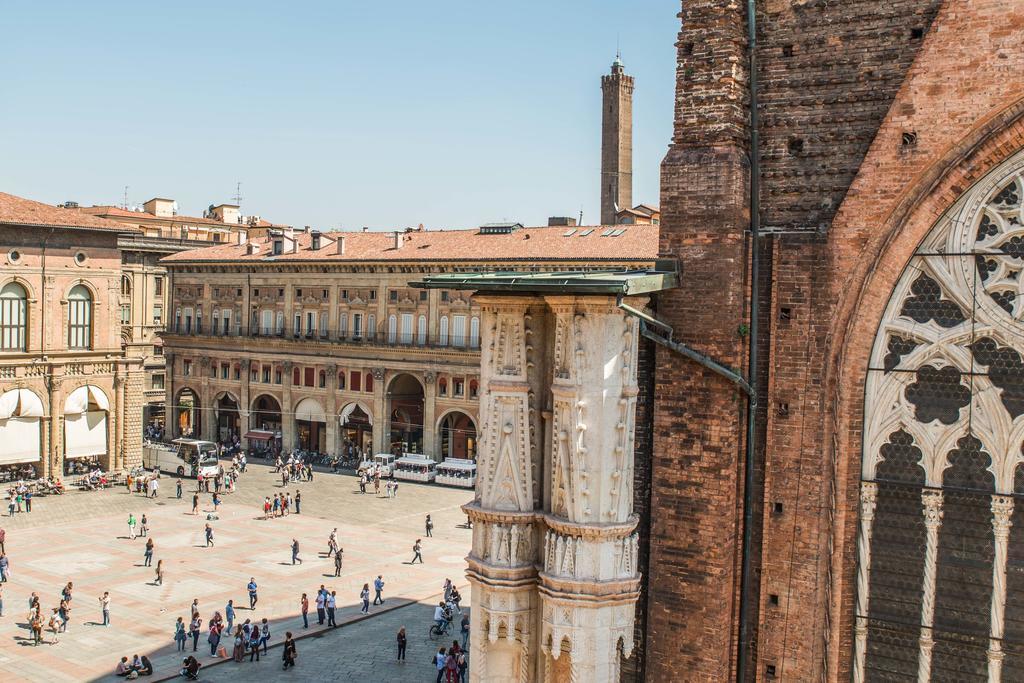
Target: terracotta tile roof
x=20, y=211
x=587, y=243
x=116, y=213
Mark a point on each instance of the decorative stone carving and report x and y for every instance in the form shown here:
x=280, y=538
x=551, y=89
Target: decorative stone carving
x=378, y=374
x=932, y=503
x=1002, y=509
x=429, y=376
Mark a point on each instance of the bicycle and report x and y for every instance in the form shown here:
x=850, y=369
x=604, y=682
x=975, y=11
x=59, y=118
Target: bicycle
x=440, y=631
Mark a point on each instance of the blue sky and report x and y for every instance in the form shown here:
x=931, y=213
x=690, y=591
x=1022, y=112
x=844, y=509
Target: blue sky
x=331, y=114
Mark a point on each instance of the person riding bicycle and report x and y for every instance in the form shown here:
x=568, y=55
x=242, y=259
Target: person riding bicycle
x=442, y=615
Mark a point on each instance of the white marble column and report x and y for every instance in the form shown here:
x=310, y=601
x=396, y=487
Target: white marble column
x=589, y=583
x=931, y=500
x=1002, y=508
x=868, y=501
x=501, y=564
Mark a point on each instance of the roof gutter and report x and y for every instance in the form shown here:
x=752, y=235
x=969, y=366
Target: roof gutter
x=649, y=328
x=744, y=655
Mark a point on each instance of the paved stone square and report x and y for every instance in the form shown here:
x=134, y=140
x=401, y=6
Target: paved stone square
x=83, y=537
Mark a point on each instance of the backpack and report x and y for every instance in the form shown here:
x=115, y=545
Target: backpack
x=451, y=664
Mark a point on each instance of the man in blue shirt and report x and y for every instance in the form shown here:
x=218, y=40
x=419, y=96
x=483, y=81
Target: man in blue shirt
x=229, y=612
x=378, y=586
x=253, y=598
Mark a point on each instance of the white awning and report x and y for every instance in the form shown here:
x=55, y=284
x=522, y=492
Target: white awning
x=351, y=408
x=20, y=403
x=84, y=399
x=85, y=434
x=310, y=410
x=19, y=440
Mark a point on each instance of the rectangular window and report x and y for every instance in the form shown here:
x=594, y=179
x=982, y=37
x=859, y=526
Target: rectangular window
x=158, y=381
x=458, y=330
x=297, y=325
x=227, y=322
x=357, y=325
x=277, y=376
x=323, y=325
x=224, y=368
x=298, y=293
x=310, y=323
x=308, y=376
x=423, y=295
x=79, y=323
x=406, y=335
x=324, y=294
x=254, y=374
x=355, y=381
x=126, y=314
x=344, y=295
x=393, y=294
x=444, y=295
x=373, y=295
x=158, y=285
x=369, y=382
x=342, y=324
x=458, y=386
x=238, y=373
x=323, y=380
x=186, y=368
x=158, y=314
x=266, y=374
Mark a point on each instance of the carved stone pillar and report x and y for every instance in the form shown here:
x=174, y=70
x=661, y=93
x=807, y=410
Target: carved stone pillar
x=244, y=401
x=207, y=410
x=55, y=443
x=430, y=446
x=1002, y=508
x=381, y=421
x=502, y=568
x=287, y=409
x=170, y=409
x=868, y=501
x=589, y=583
x=331, y=408
x=932, y=505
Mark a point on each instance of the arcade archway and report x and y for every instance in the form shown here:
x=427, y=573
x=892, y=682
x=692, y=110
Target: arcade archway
x=186, y=414
x=356, y=429
x=405, y=414
x=310, y=425
x=226, y=409
x=456, y=434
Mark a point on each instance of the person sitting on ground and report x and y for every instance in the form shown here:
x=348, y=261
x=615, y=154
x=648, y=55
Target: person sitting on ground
x=123, y=667
x=146, y=669
x=190, y=670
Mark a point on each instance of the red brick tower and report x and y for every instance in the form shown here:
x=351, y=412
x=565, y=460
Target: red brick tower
x=616, y=142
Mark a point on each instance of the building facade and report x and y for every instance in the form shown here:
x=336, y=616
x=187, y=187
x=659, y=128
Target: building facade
x=885, y=529
x=70, y=397
x=158, y=230
x=316, y=340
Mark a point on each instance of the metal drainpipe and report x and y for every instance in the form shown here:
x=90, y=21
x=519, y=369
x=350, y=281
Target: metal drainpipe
x=743, y=659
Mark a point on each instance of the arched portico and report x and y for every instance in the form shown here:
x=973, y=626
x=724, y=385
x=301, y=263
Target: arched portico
x=404, y=401
x=227, y=416
x=456, y=435
x=356, y=421
x=187, y=407
x=310, y=425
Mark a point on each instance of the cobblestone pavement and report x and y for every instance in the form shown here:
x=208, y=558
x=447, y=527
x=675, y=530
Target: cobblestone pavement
x=83, y=537
x=359, y=652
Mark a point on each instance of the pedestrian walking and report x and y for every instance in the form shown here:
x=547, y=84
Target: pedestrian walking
x=303, y=604
x=214, y=637
x=3, y=537
x=143, y=526
x=195, y=503
x=298, y=502
x=332, y=604
x=289, y=652
x=131, y=526
x=465, y=629
x=332, y=542
x=416, y=547
x=254, y=643
x=439, y=661
x=216, y=501
x=179, y=634
x=148, y=555
x=239, y=647
x=266, y=508
x=364, y=595
x=105, y=607
x=1, y=600
x=321, y=606
x=209, y=535
x=264, y=634
x=429, y=524
x=154, y=486
x=378, y=586
x=159, y=573
x=229, y=614
x=253, y=597
x=337, y=561
x=5, y=567
x=193, y=630
x=295, y=552
x=195, y=606
x=28, y=501
x=177, y=489
x=402, y=641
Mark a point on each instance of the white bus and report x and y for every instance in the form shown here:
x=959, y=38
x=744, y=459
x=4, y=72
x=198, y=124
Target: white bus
x=184, y=457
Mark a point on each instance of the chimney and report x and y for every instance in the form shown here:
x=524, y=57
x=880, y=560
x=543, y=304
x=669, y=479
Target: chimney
x=315, y=240
x=563, y=221
x=398, y=240
x=243, y=236
x=341, y=245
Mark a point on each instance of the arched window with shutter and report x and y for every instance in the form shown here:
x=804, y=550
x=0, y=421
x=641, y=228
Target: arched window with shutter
x=13, y=317
x=79, y=318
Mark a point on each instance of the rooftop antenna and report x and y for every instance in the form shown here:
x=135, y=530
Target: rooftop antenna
x=124, y=203
x=238, y=194
x=580, y=221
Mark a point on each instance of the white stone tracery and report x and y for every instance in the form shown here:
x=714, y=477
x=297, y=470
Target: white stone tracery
x=947, y=363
